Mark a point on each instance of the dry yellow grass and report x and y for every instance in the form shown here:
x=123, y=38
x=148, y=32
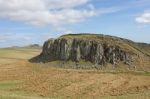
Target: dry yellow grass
x=20, y=79
x=68, y=83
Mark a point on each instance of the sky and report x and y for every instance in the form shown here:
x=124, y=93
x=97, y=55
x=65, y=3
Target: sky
x=24, y=22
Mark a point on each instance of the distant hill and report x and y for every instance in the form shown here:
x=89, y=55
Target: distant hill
x=96, y=51
x=34, y=46
x=27, y=46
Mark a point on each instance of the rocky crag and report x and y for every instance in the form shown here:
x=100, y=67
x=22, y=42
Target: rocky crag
x=77, y=49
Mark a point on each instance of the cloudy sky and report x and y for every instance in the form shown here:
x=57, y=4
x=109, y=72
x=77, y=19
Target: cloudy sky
x=23, y=22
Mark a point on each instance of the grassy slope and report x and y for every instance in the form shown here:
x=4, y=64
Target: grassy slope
x=9, y=68
x=22, y=80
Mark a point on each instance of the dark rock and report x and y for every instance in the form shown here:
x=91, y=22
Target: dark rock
x=77, y=49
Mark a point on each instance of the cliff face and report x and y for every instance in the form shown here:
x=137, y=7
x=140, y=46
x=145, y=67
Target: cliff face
x=77, y=49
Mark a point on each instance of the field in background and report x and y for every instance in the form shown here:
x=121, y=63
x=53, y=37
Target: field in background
x=20, y=79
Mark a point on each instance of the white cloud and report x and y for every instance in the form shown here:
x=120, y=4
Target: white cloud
x=144, y=18
x=57, y=4
x=46, y=12
x=4, y=37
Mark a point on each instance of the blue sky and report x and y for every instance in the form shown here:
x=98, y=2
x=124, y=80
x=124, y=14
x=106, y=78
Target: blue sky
x=24, y=22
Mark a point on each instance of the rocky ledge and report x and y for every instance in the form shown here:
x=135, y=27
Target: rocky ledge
x=77, y=49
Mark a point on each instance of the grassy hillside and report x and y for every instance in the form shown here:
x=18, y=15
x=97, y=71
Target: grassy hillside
x=20, y=79
x=144, y=47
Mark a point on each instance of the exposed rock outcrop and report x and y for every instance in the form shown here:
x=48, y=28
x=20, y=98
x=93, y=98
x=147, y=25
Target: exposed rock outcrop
x=78, y=49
